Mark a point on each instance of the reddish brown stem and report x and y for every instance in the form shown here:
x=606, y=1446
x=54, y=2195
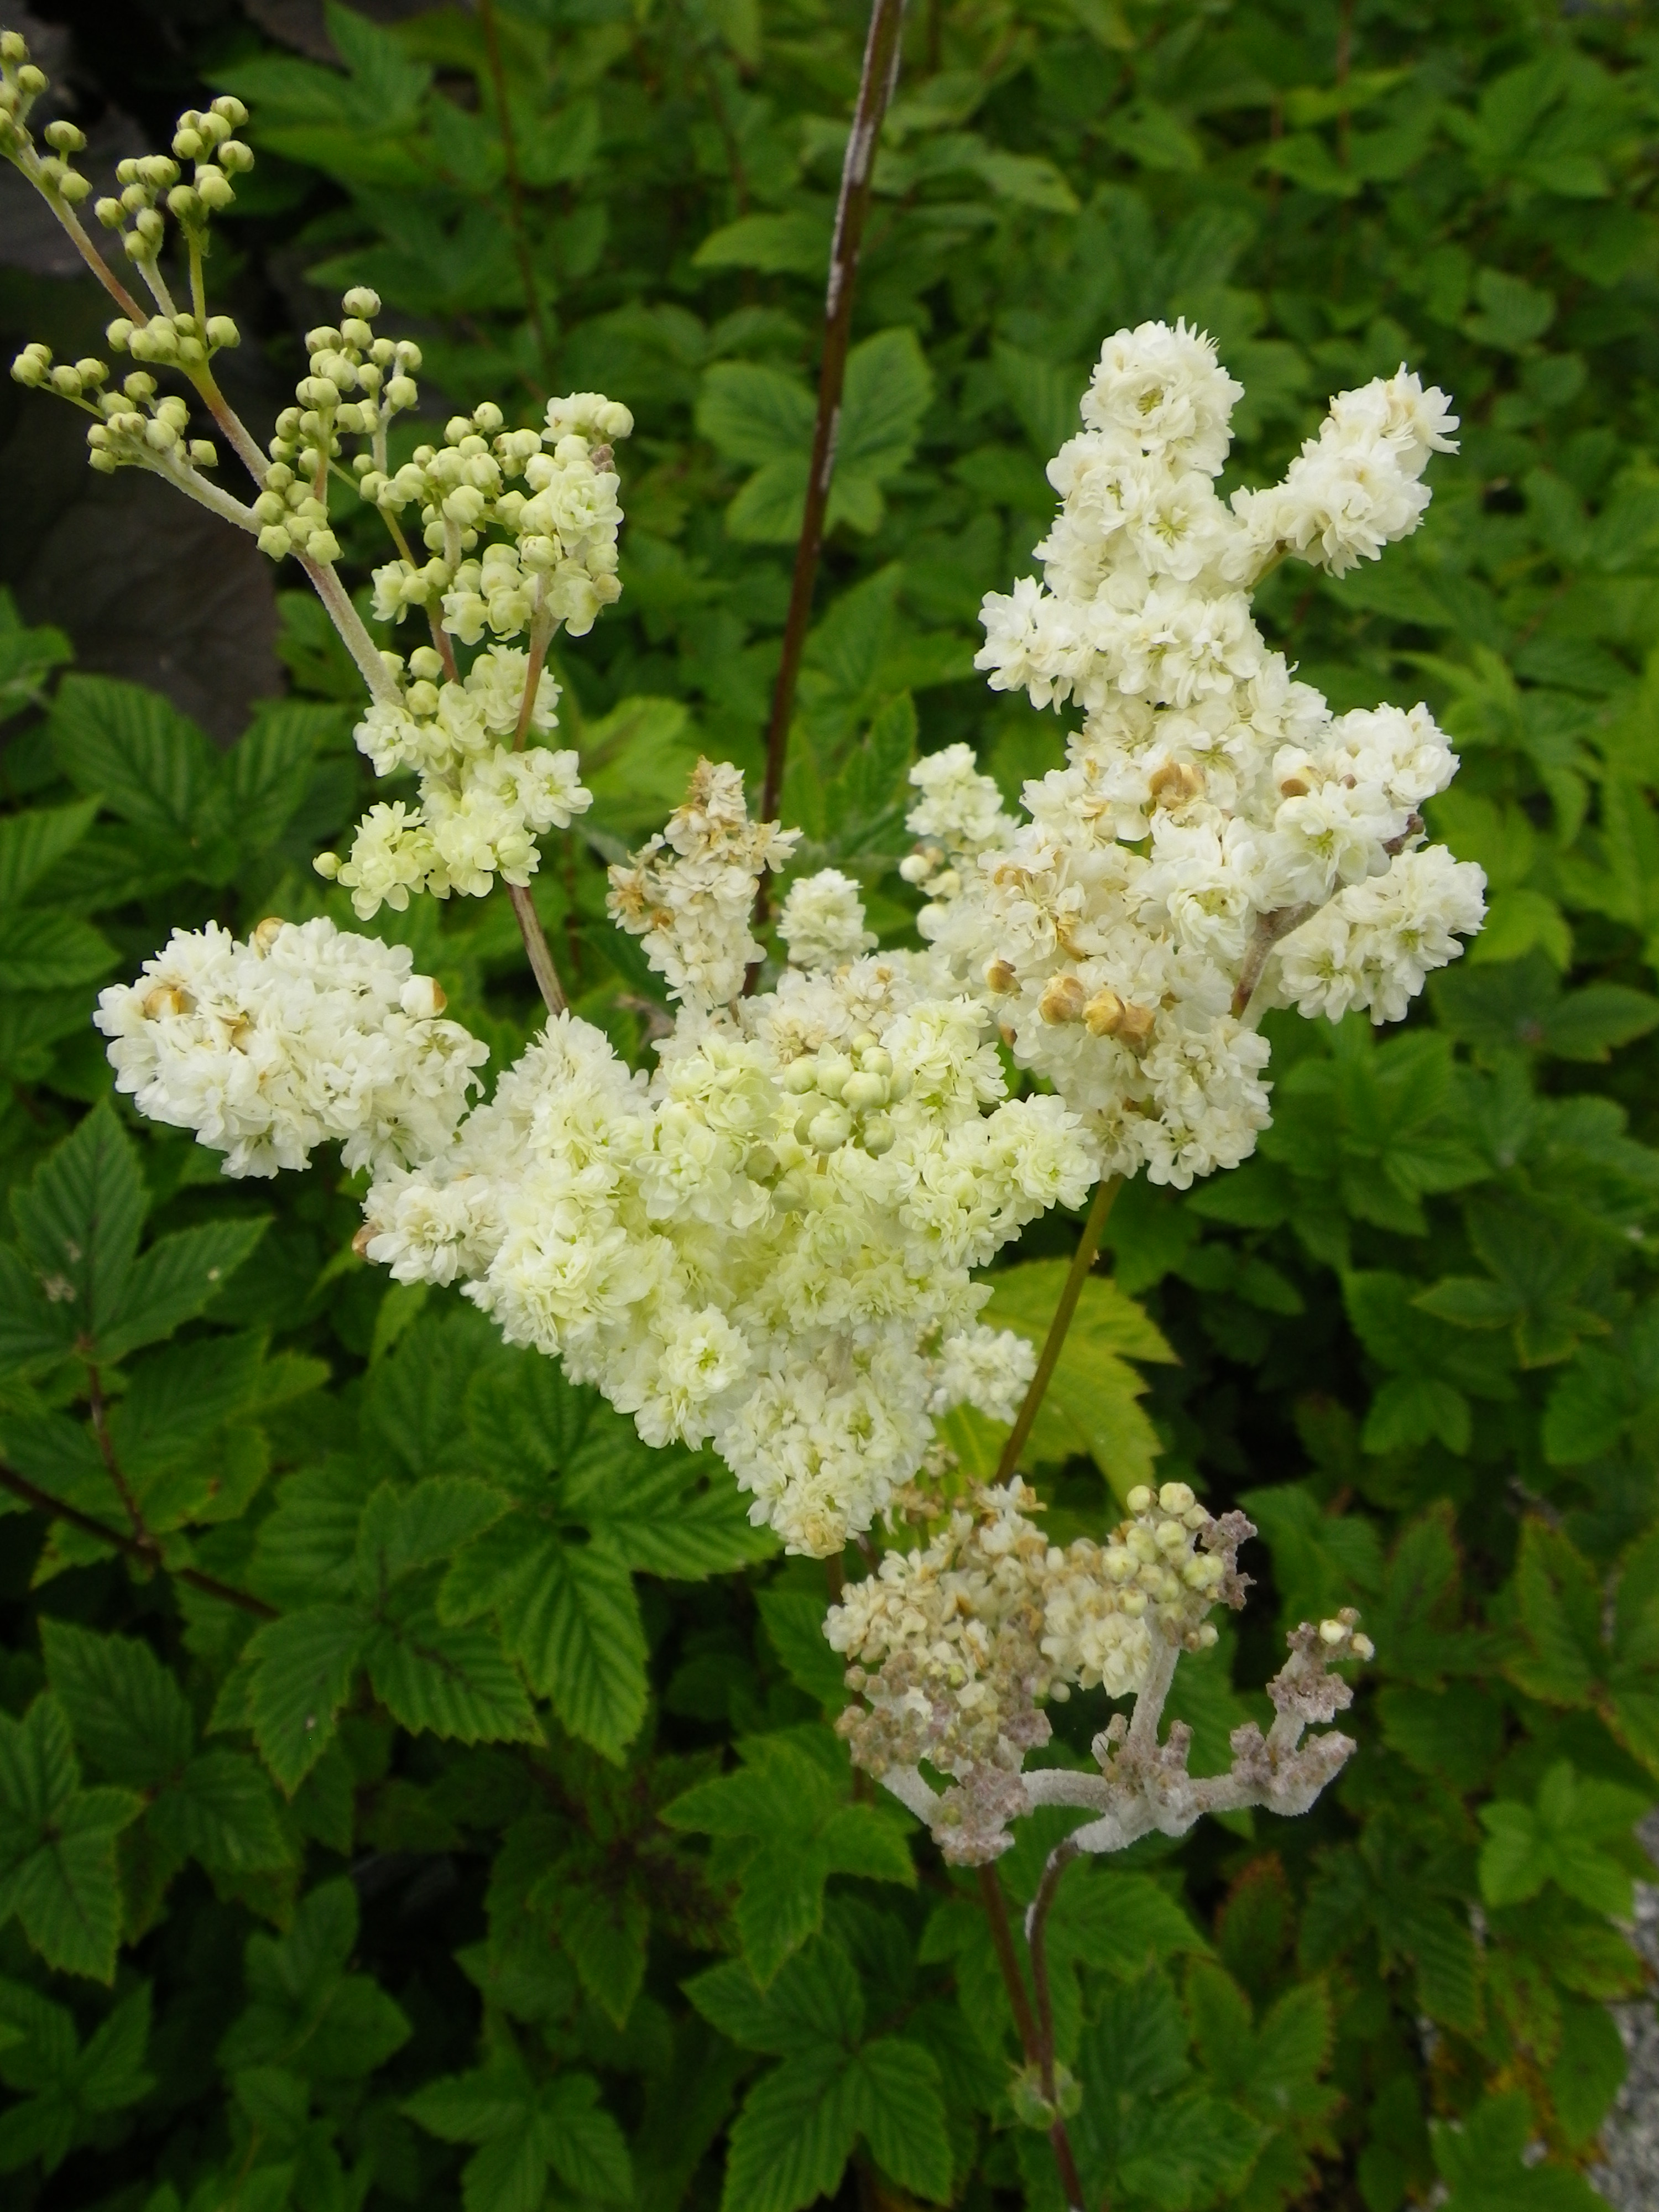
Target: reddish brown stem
x=880, y=72
x=143, y=1547
x=1037, y=2047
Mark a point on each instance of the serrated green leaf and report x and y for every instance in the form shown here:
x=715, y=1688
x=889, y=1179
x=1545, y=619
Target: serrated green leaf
x=57, y=1844
x=50, y=950
x=813, y=2001
x=176, y=1279
x=78, y=1221
x=220, y=1810
x=32, y=841
x=573, y=1623
x=454, y=1682
x=894, y=2089
x=303, y=1666
x=790, y=2143
x=127, y=1714
x=403, y=1530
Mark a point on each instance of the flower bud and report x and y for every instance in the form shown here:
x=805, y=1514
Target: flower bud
x=1104, y=1015
x=213, y=189
x=267, y=933
x=231, y=109
x=203, y=454
x=274, y=540
x=109, y=213
x=31, y=81
x=361, y=301
x=324, y=546
x=1175, y=783
x=1062, y=1000
x=402, y=391
x=235, y=158
x=74, y=187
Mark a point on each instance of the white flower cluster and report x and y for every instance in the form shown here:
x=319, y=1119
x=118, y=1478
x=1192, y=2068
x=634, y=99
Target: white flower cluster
x=1217, y=841
x=768, y=1244
x=689, y=892
x=303, y=1033
x=485, y=798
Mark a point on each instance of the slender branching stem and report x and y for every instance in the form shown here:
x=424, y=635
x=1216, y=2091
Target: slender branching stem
x=1082, y=1260
x=145, y=1547
x=875, y=83
x=537, y=949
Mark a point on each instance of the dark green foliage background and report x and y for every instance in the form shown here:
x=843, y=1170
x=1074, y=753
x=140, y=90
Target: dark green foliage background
x=514, y=1855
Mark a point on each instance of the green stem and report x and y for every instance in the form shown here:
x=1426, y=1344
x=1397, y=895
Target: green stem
x=1082, y=1260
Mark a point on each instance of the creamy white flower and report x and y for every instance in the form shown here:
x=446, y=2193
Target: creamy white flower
x=823, y=921
x=1217, y=839
x=305, y=1034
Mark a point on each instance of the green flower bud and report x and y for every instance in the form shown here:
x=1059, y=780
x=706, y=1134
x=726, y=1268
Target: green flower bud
x=216, y=190
x=235, y=159
x=160, y=435
x=402, y=391
x=66, y=379
x=222, y=331
x=231, y=109
x=31, y=81
x=360, y=300
x=105, y=464
x=91, y=371
x=203, y=454
x=139, y=387
x=109, y=213
x=74, y=188
x=30, y=367
x=65, y=137
x=13, y=48
x=324, y=546
x=157, y=171
x=189, y=145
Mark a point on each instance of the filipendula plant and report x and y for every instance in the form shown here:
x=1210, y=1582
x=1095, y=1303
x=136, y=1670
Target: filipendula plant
x=769, y=1240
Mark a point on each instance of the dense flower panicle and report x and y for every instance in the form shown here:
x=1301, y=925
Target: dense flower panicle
x=1217, y=841
x=768, y=1243
x=304, y=1033
x=690, y=891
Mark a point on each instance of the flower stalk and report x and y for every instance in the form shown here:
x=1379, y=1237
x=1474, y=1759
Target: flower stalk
x=1082, y=1260
x=877, y=79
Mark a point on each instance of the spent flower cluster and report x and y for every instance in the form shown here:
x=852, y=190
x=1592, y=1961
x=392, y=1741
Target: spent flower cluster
x=954, y=1649
x=1219, y=841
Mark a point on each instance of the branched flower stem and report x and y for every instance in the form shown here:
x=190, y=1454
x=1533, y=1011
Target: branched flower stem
x=1082, y=1260
x=875, y=83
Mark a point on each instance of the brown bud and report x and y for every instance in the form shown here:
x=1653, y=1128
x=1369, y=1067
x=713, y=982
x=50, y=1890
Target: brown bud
x=267, y=933
x=1136, y=1026
x=165, y=999
x=1105, y=1013
x=359, y=1242
x=1000, y=977
x=1175, y=782
x=1062, y=1000
x=1295, y=787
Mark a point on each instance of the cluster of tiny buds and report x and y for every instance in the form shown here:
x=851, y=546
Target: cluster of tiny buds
x=345, y=359
x=1065, y=998
x=22, y=83
x=132, y=424
x=1342, y=1638
x=843, y=1093
x=1149, y=1560
x=203, y=139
